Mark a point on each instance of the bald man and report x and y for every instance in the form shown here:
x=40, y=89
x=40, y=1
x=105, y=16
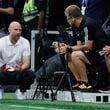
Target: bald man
x=15, y=60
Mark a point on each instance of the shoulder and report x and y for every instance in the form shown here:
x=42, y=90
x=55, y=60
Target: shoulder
x=91, y=23
x=24, y=41
x=3, y=39
x=89, y=20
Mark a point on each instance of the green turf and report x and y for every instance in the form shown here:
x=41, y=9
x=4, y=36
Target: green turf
x=10, y=103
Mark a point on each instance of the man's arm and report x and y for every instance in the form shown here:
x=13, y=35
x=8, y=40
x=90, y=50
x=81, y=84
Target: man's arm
x=9, y=10
x=3, y=68
x=41, y=19
x=20, y=66
x=26, y=63
x=86, y=46
x=41, y=4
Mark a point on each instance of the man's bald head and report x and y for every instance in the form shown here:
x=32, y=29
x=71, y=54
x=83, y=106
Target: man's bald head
x=14, y=24
x=15, y=30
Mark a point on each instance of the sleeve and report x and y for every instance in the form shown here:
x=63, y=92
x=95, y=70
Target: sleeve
x=26, y=50
x=90, y=32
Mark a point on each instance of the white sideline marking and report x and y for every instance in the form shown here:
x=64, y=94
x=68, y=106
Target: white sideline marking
x=32, y=107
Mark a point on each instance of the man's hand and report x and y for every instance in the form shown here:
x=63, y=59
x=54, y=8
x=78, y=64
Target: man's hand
x=62, y=49
x=17, y=66
x=57, y=44
x=3, y=68
x=106, y=50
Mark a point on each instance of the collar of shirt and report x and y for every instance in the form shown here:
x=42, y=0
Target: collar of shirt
x=9, y=42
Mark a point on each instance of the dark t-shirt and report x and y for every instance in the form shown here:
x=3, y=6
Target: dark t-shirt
x=90, y=30
x=4, y=18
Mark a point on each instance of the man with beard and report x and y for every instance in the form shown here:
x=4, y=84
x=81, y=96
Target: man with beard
x=15, y=61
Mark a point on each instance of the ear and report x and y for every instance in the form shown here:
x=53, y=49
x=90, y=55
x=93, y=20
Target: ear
x=9, y=30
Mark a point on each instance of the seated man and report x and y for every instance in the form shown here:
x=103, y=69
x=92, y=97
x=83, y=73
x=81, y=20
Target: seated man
x=90, y=40
x=15, y=61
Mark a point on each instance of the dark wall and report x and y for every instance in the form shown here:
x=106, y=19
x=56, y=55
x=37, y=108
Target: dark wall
x=106, y=7
x=56, y=15
x=18, y=10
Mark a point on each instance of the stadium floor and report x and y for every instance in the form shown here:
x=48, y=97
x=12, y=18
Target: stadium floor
x=9, y=102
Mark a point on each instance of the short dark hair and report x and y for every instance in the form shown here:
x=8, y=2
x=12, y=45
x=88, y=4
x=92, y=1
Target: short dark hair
x=73, y=11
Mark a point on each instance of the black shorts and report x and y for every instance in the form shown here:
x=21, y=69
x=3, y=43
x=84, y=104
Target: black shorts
x=94, y=57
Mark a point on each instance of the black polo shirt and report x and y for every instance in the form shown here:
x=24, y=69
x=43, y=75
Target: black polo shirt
x=90, y=30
